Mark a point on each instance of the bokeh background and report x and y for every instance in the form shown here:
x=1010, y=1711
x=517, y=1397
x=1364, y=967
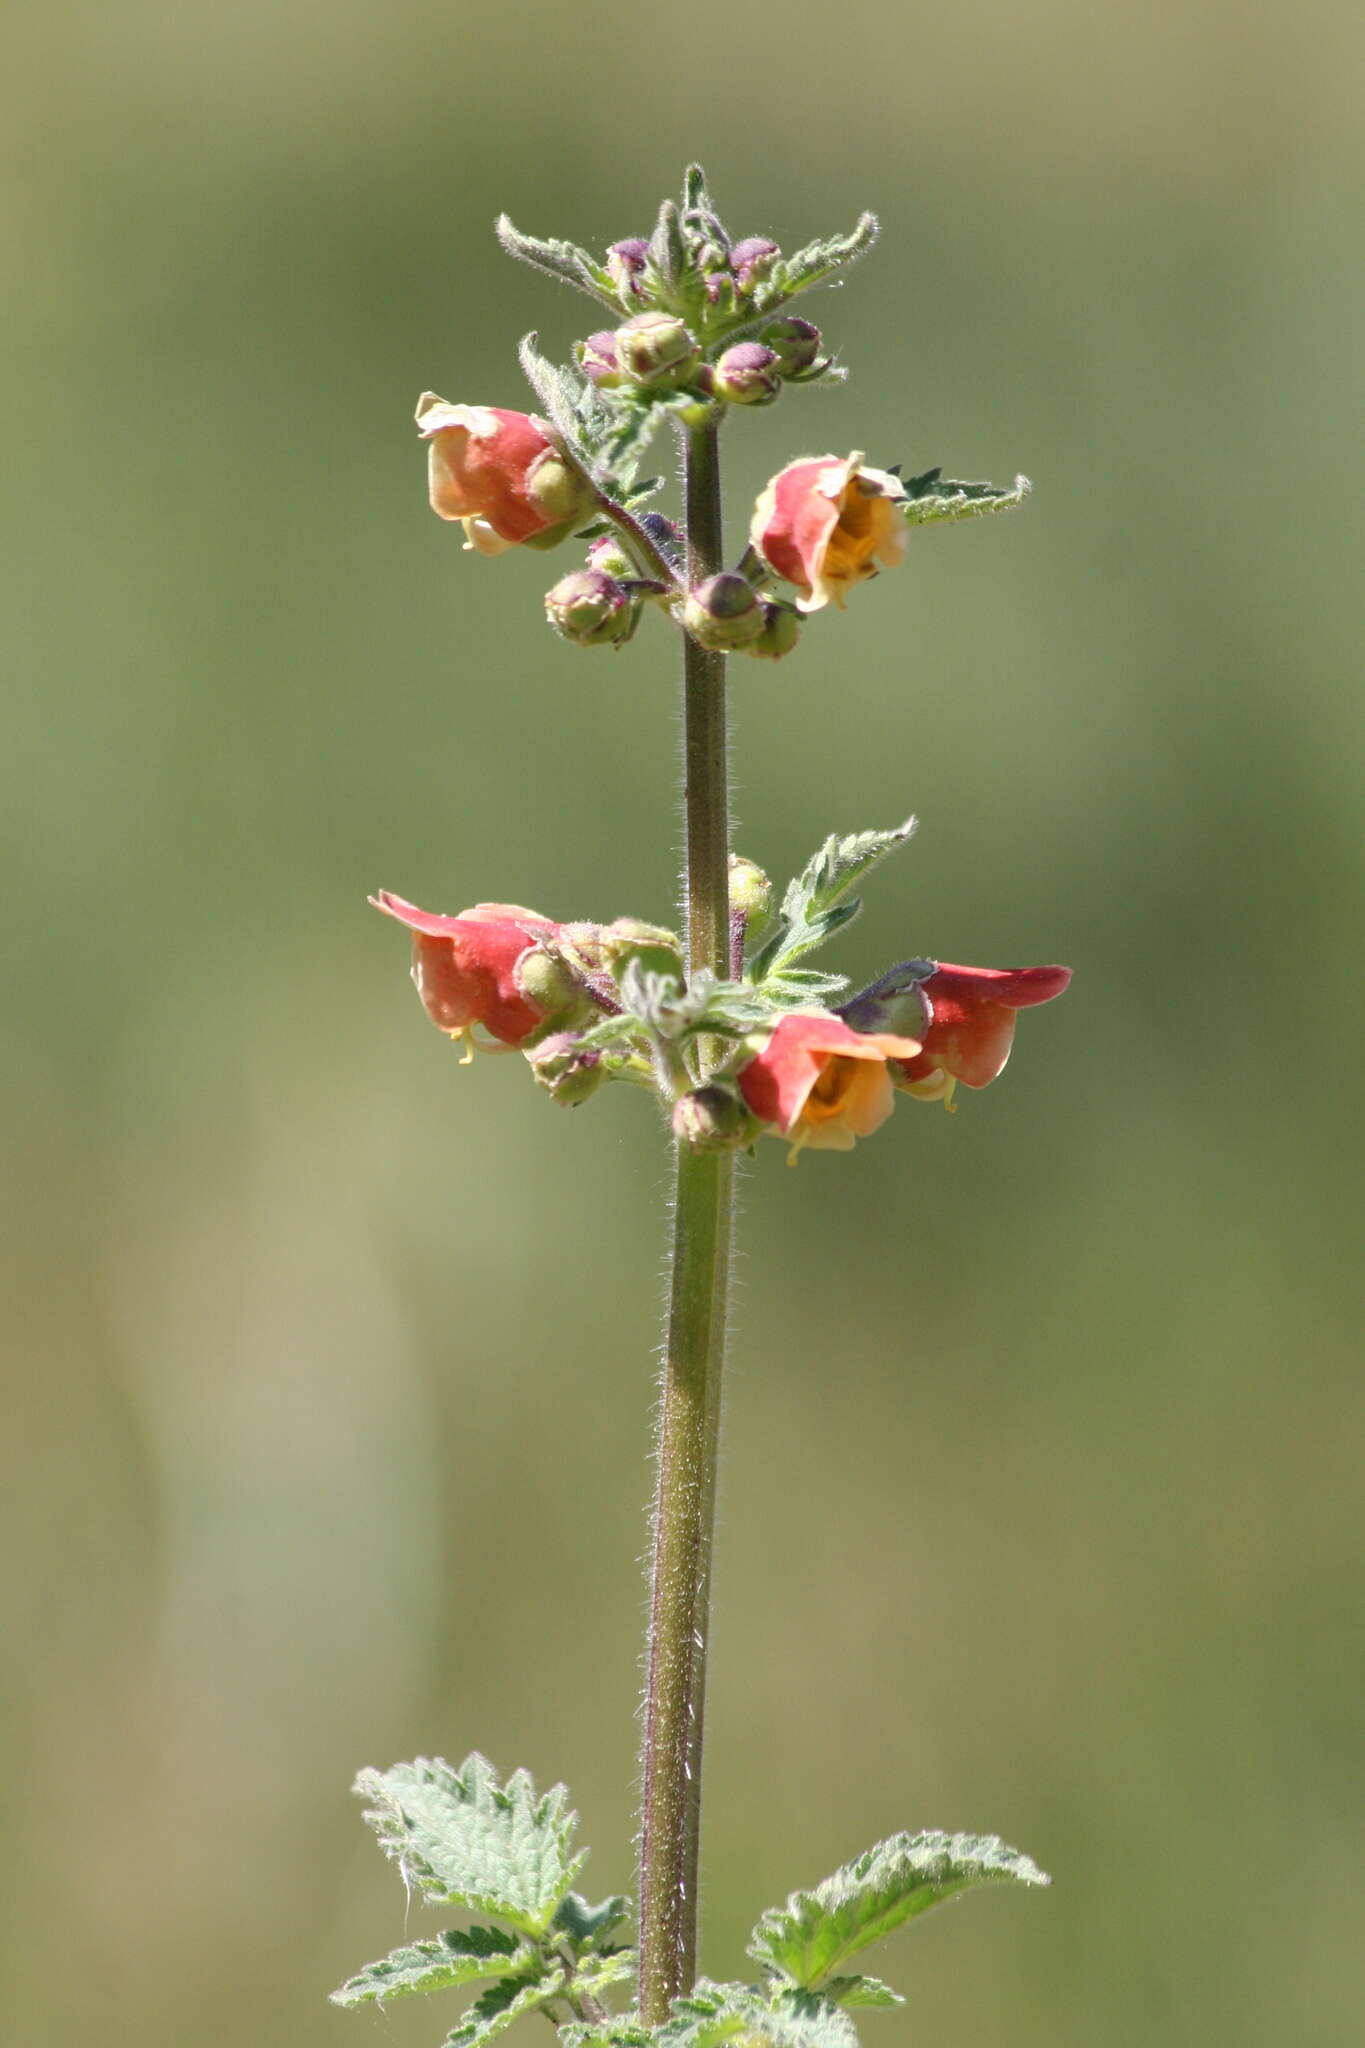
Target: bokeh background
x=329, y=1374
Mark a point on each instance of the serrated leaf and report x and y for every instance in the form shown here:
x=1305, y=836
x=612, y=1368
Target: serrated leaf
x=562, y=260
x=621, y=2030
x=503, y=2003
x=813, y=264
x=714, y=2013
x=598, y=1973
x=933, y=498
x=463, y=1839
x=452, y=1959
x=560, y=391
x=861, y=1991
x=667, y=251
x=588, y=1926
x=814, y=906
x=808, y=1938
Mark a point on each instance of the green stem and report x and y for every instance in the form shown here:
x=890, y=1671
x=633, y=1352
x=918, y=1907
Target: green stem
x=689, y=1401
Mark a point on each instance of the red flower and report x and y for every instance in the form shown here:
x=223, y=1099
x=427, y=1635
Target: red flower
x=821, y=1084
x=500, y=474
x=969, y=1013
x=470, y=969
x=824, y=523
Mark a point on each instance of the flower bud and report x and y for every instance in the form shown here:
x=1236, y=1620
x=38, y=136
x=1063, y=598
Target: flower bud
x=747, y=374
x=752, y=260
x=592, y=609
x=751, y=892
x=607, y=554
x=625, y=264
x=723, y=613
x=598, y=360
x=713, y=1119
x=567, y=1070
x=781, y=631
x=657, y=349
x=795, y=343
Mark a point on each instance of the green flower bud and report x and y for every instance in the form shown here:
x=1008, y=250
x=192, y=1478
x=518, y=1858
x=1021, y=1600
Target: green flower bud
x=780, y=631
x=723, y=613
x=567, y=1070
x=550, y=985
x=747, y=374
x=714, y=1119
x=592, y=609
x=751, y=892
x=657, y=349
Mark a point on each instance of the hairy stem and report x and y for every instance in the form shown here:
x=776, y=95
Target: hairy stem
x=689, y=1400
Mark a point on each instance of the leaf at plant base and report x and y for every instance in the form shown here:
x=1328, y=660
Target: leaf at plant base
x=444, y=1964
x=465, y=1840
x=713, y=2013
x=808, y=1938
x=861, y=1991
x=814, y=906
x=503, y=2003
x=934, y=497
x=588, y=1926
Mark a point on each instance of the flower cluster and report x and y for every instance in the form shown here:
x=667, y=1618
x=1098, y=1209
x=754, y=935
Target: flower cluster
x=700, y=327
x=587, y=1003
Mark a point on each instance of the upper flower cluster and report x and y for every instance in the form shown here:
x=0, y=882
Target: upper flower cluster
x=700, y=327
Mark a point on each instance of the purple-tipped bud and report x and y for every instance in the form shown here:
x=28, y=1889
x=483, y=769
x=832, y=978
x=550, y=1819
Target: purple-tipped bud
x=568, y=1071
x=592, y=609
x=747, y=374
x=714, y=1119
x=795, y=343
x=778, y=635
x=723, y=613
x=598, y=360
x=625, y=264
x=752, y=259
x=656, y=348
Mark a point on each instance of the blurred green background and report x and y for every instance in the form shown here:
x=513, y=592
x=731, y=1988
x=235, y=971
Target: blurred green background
x=327, y=1409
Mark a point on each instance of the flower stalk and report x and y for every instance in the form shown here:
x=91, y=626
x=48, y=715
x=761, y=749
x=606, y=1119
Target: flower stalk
x=689, y=1399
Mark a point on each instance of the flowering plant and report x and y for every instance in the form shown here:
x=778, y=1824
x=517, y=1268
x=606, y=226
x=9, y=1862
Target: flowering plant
x=737, y=1036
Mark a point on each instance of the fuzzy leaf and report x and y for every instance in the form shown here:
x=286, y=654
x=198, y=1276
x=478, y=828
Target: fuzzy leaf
x=560, y=390
x=444, y=1964
x=807, y=1939
x=714, y=2013
x=563, y=260
x=598, y=1973
x=861, y=1991
x=813, y=264
x=619, y=2030
x=504, y=2002
x=933, y=498
x=667, y=251
x=588, y=1926
x=814, y=906
x=465, y=1840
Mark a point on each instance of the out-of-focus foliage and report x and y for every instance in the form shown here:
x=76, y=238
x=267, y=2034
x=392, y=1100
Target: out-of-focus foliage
x=1041, y=1500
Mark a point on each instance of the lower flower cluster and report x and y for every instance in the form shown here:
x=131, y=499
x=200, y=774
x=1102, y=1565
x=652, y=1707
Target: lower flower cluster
x=587, y=1003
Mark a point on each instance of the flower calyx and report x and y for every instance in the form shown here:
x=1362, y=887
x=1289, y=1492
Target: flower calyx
x=724, y=613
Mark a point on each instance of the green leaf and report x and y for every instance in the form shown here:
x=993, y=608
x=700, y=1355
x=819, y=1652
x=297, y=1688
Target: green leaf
x=813, y=264
x=814, y=906
x=933, y=497
x=444, y=1964
x=560, y=391
x=504, y=2002
x=465, y=1840
x=667, y=250
x=861, y=1991
x=808, y=1938
x=563, y=260
x=598, y=1973
x=588, y=1926
x=713, y=2013
x=619, y=2030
